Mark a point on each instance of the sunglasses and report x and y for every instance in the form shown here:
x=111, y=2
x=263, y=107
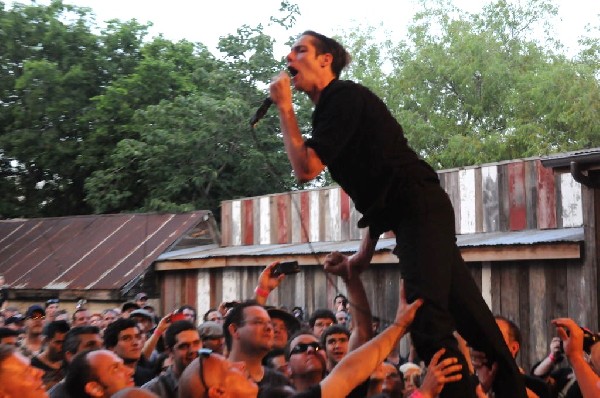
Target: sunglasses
x=203, y=353
x=303, y=347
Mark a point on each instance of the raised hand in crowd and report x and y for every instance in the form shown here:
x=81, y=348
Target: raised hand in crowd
x=160, y=329
x=267, y=282
x=546, y=365
x=439, y=373
x=572, y=337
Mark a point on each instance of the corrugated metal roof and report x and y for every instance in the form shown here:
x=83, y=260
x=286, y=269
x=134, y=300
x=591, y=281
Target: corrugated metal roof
x=89, y=252
x=589, y=156
x=529, y=237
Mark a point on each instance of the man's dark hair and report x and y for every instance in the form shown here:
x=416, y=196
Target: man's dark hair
x=174, y=329
x=325, y=45
x=205, y=317
x=129, y=305
x=344, y=299
x=266, y=361
x=111, y=333
x=8, y=332
x=333, y=329
x=513, y=330
x=72, y=340
x=321, y=313
x=54, y=327
x=79, y=374
x=236, y=317
x=303, y=331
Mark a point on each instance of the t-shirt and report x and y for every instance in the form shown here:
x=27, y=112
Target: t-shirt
x=365, y=150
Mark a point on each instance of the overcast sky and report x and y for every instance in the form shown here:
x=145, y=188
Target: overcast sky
x=206, y=20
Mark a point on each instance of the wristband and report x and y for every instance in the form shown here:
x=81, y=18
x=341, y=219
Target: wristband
x=157, y=332
x=259, y=291
x=552, y=357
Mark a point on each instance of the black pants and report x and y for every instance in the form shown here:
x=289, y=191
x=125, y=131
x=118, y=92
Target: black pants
x=433, y=269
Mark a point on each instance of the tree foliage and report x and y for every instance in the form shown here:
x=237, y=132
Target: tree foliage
x=105, y=119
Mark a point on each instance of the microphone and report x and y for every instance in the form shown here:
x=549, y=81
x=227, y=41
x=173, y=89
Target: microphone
x=261, y=111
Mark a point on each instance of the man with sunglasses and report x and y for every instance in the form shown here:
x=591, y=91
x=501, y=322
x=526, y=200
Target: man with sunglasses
x=306, y=360
x=183, y=342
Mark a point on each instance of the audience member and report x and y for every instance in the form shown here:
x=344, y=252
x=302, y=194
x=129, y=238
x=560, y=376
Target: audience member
x=212, y=336
x=249, y=337
x=51, y=359
x=586, y=373
x=34, y=325
x=320, y=320
x=18, y=379
x=61, y=315
x=213, y=315
x=98, y=373
x=183, y=342
x=189, y=312
x=141, y=299
x=81, y=317
x=487, y=371
x=275, y=359
x=124, y=338
x=335, y=340
x=78, y=339
x=284, y=326
x=51, y=309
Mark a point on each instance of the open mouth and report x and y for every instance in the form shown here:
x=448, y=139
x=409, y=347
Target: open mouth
x=293, y=71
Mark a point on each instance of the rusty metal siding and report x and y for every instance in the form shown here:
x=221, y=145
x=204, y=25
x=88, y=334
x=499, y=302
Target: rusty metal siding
x=87, y=252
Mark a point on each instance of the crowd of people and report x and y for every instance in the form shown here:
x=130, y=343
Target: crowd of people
x=249, y=349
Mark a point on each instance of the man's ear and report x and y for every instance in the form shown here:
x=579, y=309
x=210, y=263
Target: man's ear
x=216, y=392
x=233, y=329
x=326, y=59
x=94, y=389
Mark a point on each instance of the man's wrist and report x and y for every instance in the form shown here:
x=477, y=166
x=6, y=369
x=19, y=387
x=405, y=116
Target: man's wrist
x=260, y=292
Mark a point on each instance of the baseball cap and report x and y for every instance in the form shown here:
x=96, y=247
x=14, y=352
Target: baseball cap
x=33, y=309
x=17, y=318
x=141, y=312
x=141, y=296
x=210, y=329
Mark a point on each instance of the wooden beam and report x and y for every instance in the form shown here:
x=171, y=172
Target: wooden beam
x=470, y=254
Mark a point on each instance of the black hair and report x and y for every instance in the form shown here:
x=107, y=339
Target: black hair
x=333, y=329
x=54, y=327
x=266, y=361
x=79, y=374
x=205, y=317
x=72, y=340
x=344, y=299
x=300, y=332
x=129, y=305
x=174, y=329
x=321, y=313
x=327, y=45
x=236, y=317
x=111, y=333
